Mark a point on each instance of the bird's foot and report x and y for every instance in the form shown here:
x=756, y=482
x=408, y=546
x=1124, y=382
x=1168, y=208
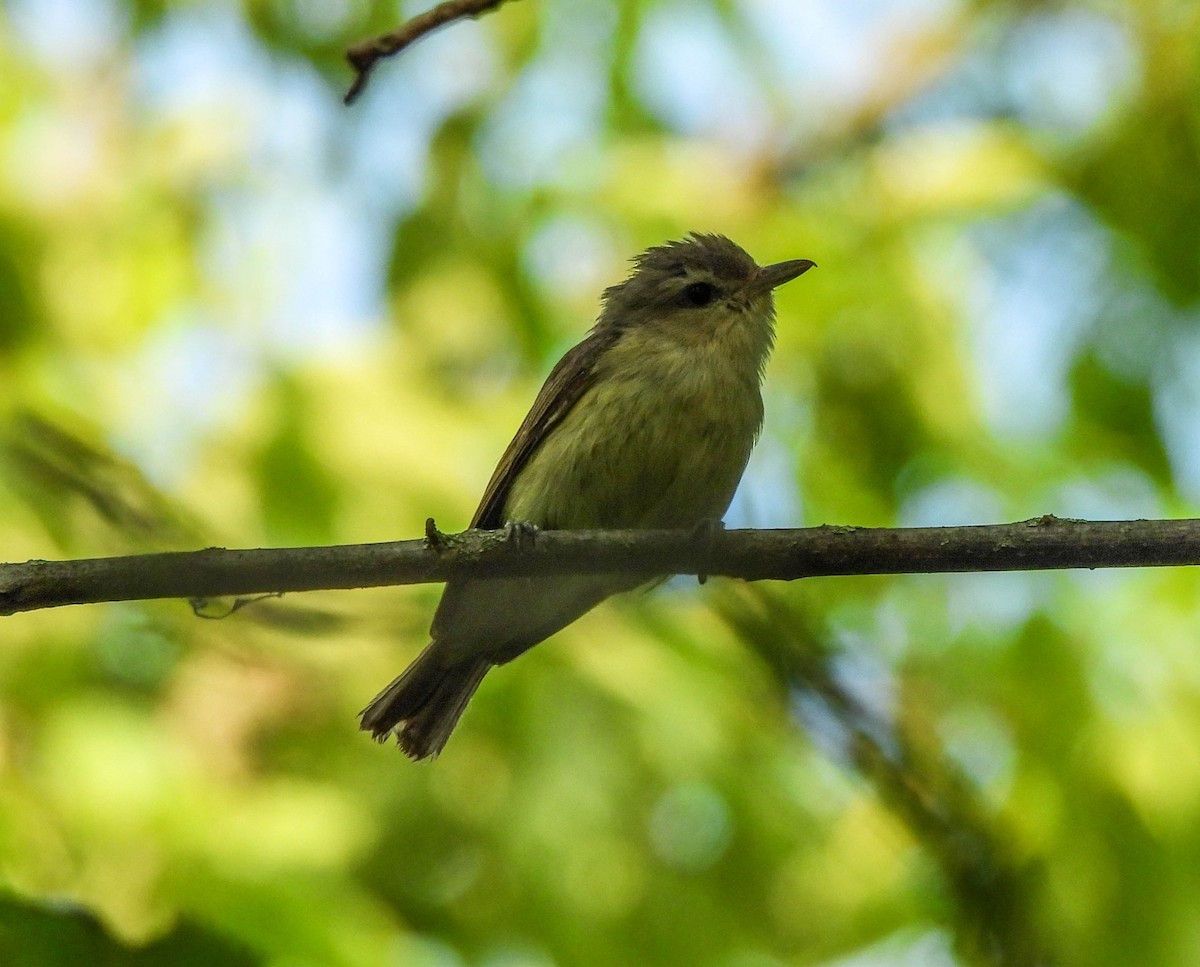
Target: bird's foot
x=705, y=534
x=520, y=534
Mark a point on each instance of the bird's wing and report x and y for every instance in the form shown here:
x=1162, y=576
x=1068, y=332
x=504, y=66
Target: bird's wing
x=574, y=375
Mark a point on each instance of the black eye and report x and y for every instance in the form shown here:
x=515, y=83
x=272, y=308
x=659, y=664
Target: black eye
x=699, y=294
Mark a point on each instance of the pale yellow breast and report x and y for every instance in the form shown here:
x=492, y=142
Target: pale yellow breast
x=660, y=441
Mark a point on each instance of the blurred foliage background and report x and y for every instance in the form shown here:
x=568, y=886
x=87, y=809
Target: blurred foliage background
x=234, y=312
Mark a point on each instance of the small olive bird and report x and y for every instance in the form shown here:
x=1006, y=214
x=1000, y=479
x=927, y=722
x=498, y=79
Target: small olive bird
x=647, y=423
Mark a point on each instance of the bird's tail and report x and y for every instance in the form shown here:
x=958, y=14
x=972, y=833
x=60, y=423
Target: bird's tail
x=423, y=705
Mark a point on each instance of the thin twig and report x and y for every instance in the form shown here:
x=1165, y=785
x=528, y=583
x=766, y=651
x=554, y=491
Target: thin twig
x=364, y=56
x=753, y=555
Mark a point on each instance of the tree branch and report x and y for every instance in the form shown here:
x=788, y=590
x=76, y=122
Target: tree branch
x=364, y=56
x=754, y=555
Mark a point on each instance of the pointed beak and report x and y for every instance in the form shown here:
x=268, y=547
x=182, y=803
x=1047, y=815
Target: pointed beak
x=772, y=276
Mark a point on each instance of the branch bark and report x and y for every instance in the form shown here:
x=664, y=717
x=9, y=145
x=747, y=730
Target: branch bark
x=753, y=555
x=364, y=56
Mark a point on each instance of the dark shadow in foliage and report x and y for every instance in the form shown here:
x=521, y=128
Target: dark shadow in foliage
x=993, y=895
x=61, y=473
x=65, y=935
x=21, y=312
x=1116, y=417
x=1144, y=180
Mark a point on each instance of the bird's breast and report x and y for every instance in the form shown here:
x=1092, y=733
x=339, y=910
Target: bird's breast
x=653, y=443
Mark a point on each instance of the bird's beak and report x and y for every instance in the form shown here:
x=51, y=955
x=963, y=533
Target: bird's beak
x=772, y=276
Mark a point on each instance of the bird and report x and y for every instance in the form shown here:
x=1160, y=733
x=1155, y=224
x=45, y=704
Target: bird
x=647, y=423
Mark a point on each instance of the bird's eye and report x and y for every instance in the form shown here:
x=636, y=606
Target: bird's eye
x=699, y=294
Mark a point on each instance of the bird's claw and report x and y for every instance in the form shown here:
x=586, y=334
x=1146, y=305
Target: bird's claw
x=520, y=533
x=705, y=533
